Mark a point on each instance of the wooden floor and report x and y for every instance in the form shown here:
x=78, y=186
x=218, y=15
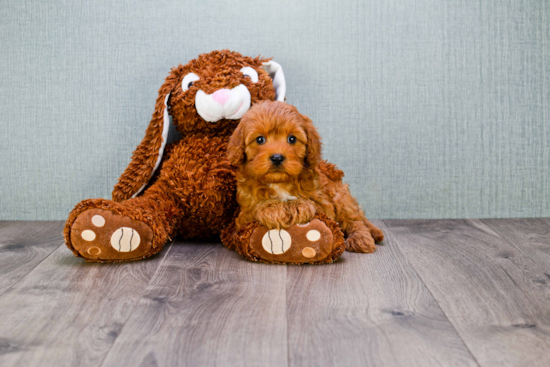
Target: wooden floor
x=437, y=293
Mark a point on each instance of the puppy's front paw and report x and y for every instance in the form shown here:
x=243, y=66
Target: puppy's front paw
x=285, y=214
x=301, y=211
x=360, y=241
x=273, y=216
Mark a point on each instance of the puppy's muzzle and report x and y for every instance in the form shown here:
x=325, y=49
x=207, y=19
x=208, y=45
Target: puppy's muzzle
x=277, y=159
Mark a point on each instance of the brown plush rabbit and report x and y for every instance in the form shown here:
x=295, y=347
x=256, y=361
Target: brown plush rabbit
x=189, y=187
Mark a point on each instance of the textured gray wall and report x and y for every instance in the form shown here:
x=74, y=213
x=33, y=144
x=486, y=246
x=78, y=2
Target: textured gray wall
x=432, y=108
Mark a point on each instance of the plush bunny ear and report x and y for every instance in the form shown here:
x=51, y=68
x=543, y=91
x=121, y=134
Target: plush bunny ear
x=147, y=156
x=275, y=71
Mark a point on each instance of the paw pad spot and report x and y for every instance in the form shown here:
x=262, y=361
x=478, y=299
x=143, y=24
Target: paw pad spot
x=94, y=251
x=313, y=235
x=98, y=221
x=308, y=252
x=303, y=224
x=88, y=235
x=125, y=239
x=276, y=241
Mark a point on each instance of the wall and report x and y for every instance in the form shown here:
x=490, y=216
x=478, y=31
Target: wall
x=434, y=109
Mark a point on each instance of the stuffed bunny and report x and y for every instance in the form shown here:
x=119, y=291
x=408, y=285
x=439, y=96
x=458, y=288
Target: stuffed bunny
x=185, y=188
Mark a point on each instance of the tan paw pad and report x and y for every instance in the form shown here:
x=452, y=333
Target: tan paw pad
x=94, y=251
x=88, y=235
x=276, y=241
x=309, y=252
x=98, y=221
x=313, y=235
x=125, y=239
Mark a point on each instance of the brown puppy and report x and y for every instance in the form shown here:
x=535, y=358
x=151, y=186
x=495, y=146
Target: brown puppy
x=281, y=180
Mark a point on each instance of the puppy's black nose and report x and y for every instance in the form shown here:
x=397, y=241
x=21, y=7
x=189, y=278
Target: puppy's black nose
x=277, y=159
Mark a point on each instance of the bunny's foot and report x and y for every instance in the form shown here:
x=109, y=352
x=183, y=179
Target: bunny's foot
x=319, y=241
x=101, y=235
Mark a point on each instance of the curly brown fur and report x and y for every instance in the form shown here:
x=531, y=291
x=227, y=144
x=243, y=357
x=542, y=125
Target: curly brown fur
x=281, y=194
x=193, y=191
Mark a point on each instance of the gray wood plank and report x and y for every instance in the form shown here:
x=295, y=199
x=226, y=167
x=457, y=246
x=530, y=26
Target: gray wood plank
x=490, y=289
x=68, y=313
x=368, y=310
x=207, y=306
x=531, y=236
x=23, y=245
x=6, y=223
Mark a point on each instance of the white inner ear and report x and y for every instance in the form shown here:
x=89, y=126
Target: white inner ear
x=248, y=71
x=275, y=71
x=165, y=127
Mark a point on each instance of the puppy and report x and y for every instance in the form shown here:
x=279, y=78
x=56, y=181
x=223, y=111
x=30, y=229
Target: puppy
x=282, y=181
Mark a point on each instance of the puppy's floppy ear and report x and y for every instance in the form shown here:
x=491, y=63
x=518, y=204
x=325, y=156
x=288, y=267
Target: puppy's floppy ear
x=314, y=145
x=148, y=154
x=236, y=146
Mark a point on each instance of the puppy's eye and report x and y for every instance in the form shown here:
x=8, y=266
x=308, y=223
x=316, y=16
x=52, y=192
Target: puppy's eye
x=260, y=140
x=291, y=139
x=188, y=81
x=250, y=73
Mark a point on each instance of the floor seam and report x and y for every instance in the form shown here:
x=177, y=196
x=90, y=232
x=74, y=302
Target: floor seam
x=501, y=236
x=286, y=318
x=31, y=270
x=388, y=227
x=137, y=302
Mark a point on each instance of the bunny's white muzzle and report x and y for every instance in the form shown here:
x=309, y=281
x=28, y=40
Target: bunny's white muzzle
x=223, y=104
